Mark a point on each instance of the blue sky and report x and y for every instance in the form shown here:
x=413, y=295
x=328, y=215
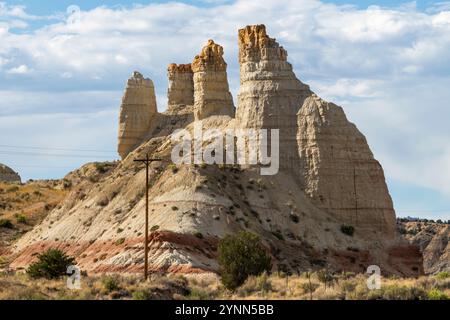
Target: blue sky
x=51, y=6
x=62, y=75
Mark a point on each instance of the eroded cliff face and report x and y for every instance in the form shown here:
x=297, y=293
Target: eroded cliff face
x=328, y=178
x=181, y=85
x=136, y=113
x=339, y=170
x=211, y=91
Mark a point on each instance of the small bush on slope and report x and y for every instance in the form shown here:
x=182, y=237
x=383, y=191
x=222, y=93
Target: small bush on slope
x=436, y=294
x=5, y=223
x=241, y=256
x=111, y=283
x=443, y=275
x=348, y=230
x=51, y=264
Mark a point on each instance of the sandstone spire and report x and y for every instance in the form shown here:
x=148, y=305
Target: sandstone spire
x=339, y=170
x=136, y=112
x=270, y=94
x=181, y=84
x=211, y=91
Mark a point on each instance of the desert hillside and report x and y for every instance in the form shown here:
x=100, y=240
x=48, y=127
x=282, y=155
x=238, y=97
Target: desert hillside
x=22, y=206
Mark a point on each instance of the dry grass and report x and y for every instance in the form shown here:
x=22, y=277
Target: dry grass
x=205, y=287
x=28, y=199
x=25, y=205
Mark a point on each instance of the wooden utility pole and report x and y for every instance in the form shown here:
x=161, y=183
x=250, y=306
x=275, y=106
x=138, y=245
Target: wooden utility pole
x=356, y=194
x=147, y=162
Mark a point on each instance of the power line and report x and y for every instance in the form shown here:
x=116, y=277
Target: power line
x=413, y=211
x=12, y=153
x=58, y=149
x=45, y=167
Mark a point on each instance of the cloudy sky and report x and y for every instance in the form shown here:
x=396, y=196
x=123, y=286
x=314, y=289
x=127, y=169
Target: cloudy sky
x=63, y=66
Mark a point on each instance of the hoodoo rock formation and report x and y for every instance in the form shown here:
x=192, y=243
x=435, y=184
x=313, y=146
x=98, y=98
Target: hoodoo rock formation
x=328, y=178
x=269, y=94
x=136, y=112
x=211, y=91
x=181, y=85
x=8, y=175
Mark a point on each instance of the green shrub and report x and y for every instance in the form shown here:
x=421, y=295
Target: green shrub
x=101, y=167
x=142, y=295
x=348, y=230
x=278, y=235
x=240, y=256
x=395, y=292
x=103, y=202
x=154, y=228
x=51, y=264
x=309, y=287
x=197, y=294
x=443, y=275
x=6, y=223
x=436, y=294
x=37, y=193
x=294, y=218
x=173, y=168
x=120, y=241
x=198, y=235
x=21, y=218
x=67, y=184
x=325, y=277
x=110, y=283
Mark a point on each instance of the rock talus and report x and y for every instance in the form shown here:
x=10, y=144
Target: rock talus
x=211, y=91
x=136, y=113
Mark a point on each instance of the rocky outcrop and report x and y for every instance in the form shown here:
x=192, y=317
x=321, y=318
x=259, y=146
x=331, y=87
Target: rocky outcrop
x=339, y=170
x=8, y=175
x=211, y=91
x=270, y=94
x=433, y=239
x=136, y=113
x=181, y=85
